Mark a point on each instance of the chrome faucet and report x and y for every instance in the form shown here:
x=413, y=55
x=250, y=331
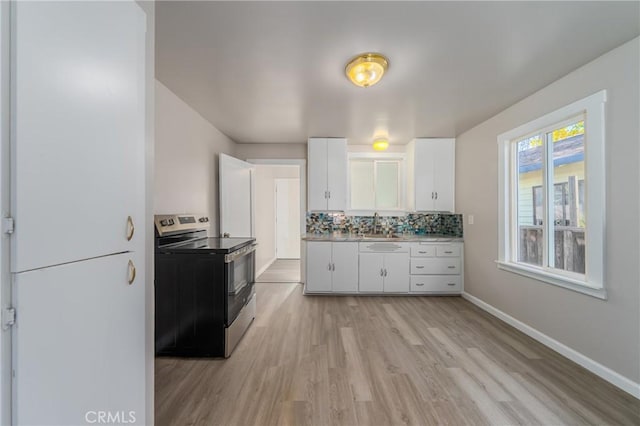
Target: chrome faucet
x=376, y=222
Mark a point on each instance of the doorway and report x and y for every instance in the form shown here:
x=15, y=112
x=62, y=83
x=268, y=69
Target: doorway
x=279, y=222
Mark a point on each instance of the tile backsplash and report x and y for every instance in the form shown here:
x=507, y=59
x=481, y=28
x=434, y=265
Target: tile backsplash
x=414, y=223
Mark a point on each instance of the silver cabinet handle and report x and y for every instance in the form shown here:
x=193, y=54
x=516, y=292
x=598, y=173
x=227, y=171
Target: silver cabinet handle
x=329, y=194
x=325, y=194
x=131, y=229
x=451, y=267
x=419, y=284
x=448, y=252
x=422, y=252
x=451, y=283
x=333, y=266
x=432, y=195
x=436, y=195
x=132, y=272
x=385, y=272
x=382, y=272
x=329, y=267
x=419, y=267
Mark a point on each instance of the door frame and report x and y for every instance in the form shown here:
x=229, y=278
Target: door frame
x=302, y=164
x=303, y=199
x=276, y=181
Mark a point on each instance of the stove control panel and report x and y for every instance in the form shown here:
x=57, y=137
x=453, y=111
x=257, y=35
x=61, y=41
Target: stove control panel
x=170, y=223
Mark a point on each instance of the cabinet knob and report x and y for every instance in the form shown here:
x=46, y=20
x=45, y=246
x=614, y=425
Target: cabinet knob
x=419, y=284
x=448, y=252
x=451, y=283
x=419, y=267
x=451, y=267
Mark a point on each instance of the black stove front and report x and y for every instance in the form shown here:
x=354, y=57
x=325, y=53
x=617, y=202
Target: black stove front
x=204, y=292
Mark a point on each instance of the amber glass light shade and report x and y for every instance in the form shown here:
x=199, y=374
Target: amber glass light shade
x=380, y=144
x=367, y=69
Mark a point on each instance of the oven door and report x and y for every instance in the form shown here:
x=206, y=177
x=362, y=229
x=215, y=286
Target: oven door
x=240, y=280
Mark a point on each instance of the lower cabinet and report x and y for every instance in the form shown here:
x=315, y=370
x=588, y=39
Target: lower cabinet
x=436, y=268
x=332, y=267
x=384, y=273
x=384, y=267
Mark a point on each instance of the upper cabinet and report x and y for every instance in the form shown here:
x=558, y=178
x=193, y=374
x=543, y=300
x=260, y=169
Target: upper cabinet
x=327, y=159
x=78, y=131
x=431, y=174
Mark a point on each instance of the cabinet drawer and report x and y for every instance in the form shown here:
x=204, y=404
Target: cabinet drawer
x=448, y=251
x=420, y=250
x=435, y=266
x=436, y=283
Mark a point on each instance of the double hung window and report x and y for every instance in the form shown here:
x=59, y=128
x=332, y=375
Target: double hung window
x=552, y=197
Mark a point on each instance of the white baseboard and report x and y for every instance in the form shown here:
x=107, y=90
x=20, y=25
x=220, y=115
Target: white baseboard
x=265, y=267
x=596, y=368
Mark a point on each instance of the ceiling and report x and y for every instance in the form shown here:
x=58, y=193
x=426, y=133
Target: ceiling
x=274, y=71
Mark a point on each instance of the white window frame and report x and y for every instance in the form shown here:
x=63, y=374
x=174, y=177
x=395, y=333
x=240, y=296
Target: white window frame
x=592, y=282
x=402, y=186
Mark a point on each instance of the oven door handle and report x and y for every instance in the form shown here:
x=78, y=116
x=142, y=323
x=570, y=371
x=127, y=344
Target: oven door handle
x=228, y=258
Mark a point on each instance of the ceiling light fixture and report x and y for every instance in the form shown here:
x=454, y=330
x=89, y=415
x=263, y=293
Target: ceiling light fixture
x=381, y=144
x=366, y=69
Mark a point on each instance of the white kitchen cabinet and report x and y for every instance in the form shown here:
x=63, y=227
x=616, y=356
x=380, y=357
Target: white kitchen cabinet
x=396, y=278
x=436, y=268
x=344, y=257
x=384, y=268
x=431, y=174
x=78, y=122
x=69, y=357
x=331, y=267
x=327, y=179
x=371, y=274
x=78, y=126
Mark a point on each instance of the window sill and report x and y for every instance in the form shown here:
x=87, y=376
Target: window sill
x=554, y=279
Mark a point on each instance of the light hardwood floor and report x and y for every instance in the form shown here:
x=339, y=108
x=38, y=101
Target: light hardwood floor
x=325, y=360
x=281, y=271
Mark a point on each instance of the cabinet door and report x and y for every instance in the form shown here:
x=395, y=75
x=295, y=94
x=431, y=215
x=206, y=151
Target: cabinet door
x=423, y=175
x=317, y=182
x=78, y=125
x=337, y=173
x=345, y=267
x=371, y=272
x=396, y=279
x=318, y=267
x=444, y=173
x=79, y=342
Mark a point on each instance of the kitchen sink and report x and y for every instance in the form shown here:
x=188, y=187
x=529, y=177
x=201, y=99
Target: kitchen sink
x=380, y=237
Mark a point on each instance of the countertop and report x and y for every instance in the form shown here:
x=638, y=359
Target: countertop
x=337, y=237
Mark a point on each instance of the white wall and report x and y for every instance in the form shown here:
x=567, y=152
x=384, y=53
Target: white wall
x=278, y=151
x=265, y=210
x=607, y=332
x=186, y=159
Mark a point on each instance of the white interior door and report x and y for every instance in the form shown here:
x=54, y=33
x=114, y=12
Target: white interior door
x=287, y=218
x=78, y=130
x=70, y=358
x=236, y=197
